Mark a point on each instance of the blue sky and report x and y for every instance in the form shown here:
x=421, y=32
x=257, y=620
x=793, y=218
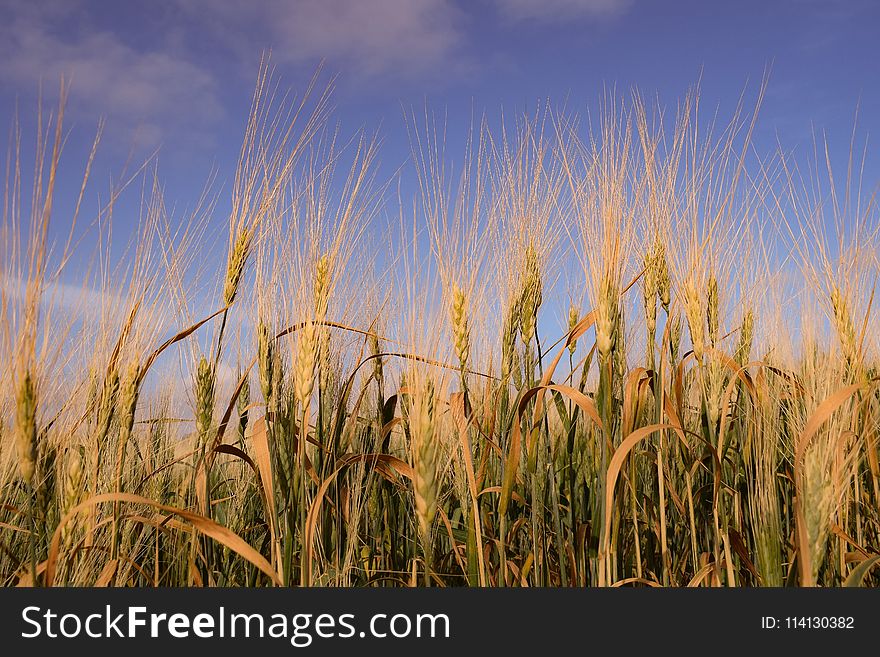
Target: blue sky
x=178, y=74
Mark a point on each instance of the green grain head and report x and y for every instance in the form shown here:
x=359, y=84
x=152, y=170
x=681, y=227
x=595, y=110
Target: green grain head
x=26, y=427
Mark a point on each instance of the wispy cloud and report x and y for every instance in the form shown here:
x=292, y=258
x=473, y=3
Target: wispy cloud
x=78, y=303
x=402, y=36
x=164, y=69
x=549, y=11
x=145, y=92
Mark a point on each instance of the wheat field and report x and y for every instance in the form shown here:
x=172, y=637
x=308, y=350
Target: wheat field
x=626, y=349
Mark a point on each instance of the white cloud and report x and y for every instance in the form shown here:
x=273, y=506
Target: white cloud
x=72, y=303
x=379, y=36
x=145, y=92
x=559, y=10
x=160, y=70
